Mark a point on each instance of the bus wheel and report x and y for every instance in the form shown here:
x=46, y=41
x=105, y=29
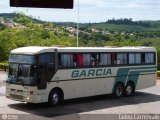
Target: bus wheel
x=54, y=98
x=119, y=90
x=129, y=89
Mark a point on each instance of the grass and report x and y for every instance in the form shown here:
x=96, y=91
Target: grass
x=114, y=27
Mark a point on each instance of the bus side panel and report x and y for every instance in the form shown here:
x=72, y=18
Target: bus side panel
x=104, y=85
x=90, y=87
x=145, y=81
x=74, y=89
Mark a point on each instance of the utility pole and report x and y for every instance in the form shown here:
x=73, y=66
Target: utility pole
x=78, y=26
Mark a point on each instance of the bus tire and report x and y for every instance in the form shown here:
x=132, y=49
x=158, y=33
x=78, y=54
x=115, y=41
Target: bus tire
x=129, y=89
x=54, y=98
x=119, y=90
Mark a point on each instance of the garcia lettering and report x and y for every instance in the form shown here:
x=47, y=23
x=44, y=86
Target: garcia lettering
x=91, y=73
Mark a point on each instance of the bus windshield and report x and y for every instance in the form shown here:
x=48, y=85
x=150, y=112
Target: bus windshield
x=22, y=59
x=22, y=70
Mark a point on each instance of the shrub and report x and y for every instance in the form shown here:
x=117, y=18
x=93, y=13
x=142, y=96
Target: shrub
x=3, y=66
x=158, y=73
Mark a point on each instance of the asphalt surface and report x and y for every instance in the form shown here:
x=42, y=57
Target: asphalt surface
x=145, y=103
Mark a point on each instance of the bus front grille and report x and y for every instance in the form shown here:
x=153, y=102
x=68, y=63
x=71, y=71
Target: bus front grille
x=17, y=97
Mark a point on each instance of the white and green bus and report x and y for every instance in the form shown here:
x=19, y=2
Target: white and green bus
x=54, y=74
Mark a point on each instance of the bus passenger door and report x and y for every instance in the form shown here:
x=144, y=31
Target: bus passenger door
x=46, y=69
x=50, y=66
x=42, y=72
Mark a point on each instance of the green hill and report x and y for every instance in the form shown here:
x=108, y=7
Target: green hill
x=152, y=26
x=121, y=27
x=19, y=30
x=14, y=16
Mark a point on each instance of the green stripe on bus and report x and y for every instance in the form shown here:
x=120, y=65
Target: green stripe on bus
x=134, y=75
x=123, y=74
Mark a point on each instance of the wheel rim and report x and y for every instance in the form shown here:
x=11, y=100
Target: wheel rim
x=55, y=98
x=128, y=90
x=119, y=91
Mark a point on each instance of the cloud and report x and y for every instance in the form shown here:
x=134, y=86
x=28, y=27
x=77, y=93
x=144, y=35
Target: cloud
x=120, y=3
x=2, y=2
x=94, y=10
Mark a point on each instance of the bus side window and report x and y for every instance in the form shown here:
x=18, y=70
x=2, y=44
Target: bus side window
x=50, y=65
x=86, y=59
x=97, y=59
x=42, y=71
x=148, y=58
x=143, y=58
x=113, y=58
x=134, y=58
x=105, y=59
x=80, y=60
x=121, y=58
x=75, y=60
x=93, y=60
x=66, y=60
x=59, y=60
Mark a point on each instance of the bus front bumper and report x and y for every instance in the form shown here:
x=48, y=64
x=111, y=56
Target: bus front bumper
x=22, y=98
x=24, y=94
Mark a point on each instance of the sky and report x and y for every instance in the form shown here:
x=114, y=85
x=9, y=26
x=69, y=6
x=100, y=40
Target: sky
x=91, y=11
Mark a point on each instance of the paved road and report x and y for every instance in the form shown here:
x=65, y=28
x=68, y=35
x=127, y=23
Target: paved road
x=146, y=101
x=3, y=75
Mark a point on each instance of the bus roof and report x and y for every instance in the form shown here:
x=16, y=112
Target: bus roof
x=31, y=50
